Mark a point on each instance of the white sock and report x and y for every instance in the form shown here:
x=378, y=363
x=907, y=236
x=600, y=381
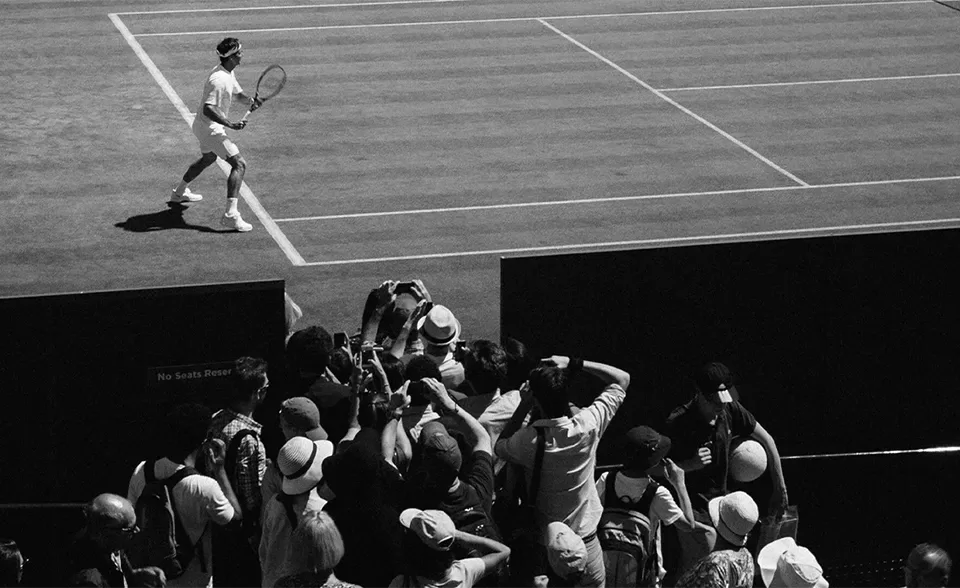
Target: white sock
x=180, y=189
x=232, y=206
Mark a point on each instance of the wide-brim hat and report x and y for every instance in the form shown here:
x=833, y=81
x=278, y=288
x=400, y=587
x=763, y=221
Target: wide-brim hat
x=439, y=326
x=301, y=462
x=734, y=516
x=784, y=564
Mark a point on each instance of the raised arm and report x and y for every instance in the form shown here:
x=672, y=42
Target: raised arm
x=497, y=553
x=677, y=478
x=383, y=296
x=443, y=404
x=606, y=373
x=400, y=343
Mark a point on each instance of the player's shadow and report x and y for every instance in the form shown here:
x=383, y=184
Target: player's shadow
x=172, y=218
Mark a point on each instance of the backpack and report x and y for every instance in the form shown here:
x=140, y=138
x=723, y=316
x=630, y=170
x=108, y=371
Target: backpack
x=627, y=537
x=251, y=521
x=162, y=540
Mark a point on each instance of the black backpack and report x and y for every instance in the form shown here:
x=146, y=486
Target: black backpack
x=162, y=540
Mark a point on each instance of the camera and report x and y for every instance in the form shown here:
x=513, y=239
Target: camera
x=460, y=351
x=367, y=351
x=340, y=339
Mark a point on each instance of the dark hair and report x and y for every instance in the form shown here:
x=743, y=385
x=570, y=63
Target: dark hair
x=485, y=366
x=423, y=560
x=309, y=350
x=187, y=426
x=549, y=386
x=340, y=364
x=249, y=376
x=227, y=45
x=929, y=565
x=419, y=367
x=10, y=558
x=395, y=369
x=519, y=362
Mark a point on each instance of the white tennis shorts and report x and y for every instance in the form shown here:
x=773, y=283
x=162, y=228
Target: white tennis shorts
x=219, y=143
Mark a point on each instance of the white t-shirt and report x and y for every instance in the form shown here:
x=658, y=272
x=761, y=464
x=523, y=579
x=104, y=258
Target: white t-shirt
x=219, y=89
x=464, y=573
x=663, y=508
x=199, y=501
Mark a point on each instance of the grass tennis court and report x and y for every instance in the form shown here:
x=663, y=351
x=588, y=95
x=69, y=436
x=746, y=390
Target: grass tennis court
x=425, y=138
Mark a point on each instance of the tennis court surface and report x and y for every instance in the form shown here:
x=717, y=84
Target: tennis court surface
x=425, y=138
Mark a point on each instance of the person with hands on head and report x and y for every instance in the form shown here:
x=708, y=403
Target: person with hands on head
x=220, y=89
x=429, y=541
x=567, y=492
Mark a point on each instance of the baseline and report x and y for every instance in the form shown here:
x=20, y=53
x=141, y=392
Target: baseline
x=535, y=18
x=664, y=196
x=700, y=239
x=248, y=196
x=810, y=82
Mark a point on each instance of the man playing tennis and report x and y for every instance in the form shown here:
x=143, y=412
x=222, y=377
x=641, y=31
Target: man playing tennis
x=219, y=91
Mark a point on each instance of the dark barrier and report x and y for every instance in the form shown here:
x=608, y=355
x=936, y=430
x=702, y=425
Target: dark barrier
x=839, y=344
x=86, y=377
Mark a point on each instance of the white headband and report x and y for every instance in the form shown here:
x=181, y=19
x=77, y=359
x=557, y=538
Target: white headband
x=231, y=52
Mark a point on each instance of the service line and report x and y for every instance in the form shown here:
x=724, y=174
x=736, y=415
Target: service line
x=291, y=7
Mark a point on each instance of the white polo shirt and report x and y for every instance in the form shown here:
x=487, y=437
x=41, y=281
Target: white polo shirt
x=218, y=90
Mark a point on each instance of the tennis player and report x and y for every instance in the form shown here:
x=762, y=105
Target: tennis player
x=219, y=91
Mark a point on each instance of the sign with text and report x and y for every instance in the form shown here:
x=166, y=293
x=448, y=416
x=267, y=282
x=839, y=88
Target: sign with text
x=205, y=382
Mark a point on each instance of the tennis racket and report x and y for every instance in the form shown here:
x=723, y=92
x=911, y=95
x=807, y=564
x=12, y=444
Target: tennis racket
x=269, y=85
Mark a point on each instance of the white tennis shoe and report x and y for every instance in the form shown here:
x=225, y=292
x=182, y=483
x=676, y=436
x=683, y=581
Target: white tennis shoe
x=236, y=223
x=187, y=196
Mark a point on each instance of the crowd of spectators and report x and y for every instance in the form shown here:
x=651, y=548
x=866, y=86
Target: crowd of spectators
x=408, y=454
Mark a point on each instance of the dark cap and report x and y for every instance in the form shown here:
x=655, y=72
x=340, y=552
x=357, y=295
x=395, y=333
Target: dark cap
x=440, y=452
x=648, y=447
x=710, y=376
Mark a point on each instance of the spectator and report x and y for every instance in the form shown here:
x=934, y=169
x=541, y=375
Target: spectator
x=519, y=362
x=443, y=482
x=308, y=356
x=647, y=450
x=98, y=554
x=391, y=312
x=927, y=565
x=11, y=563
x=317, y=543
x=341, y=365
x=199, y=499
x=567, y=491
x=730, y=564
x=299, y=417
x=246, y=465
x=440, y=330
x=428, y=540
x=784, y=564
x=365, y=509
x=566, y=556
x=701, y=430
x=301, y=461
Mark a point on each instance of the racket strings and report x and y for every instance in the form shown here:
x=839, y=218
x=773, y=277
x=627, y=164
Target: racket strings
x=271, y=82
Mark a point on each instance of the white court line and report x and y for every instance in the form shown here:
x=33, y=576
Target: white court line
x=676, y=104
x=663, y=196
x=810, y=82
x=533, y=18
x=292, y=7
x=245, y=192
x=713, y=239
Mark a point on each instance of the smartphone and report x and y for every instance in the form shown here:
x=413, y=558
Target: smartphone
x=403, y=288
x=367, y=352
x=340, y=339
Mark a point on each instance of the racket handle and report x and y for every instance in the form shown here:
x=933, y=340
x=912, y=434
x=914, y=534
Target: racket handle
x=244, y=119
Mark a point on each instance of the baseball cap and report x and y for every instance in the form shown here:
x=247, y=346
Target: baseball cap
x=566, y=551
x=433, y=527
x=784, y=564
x=440, y=453
x=302, y=415
x=709, y=378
